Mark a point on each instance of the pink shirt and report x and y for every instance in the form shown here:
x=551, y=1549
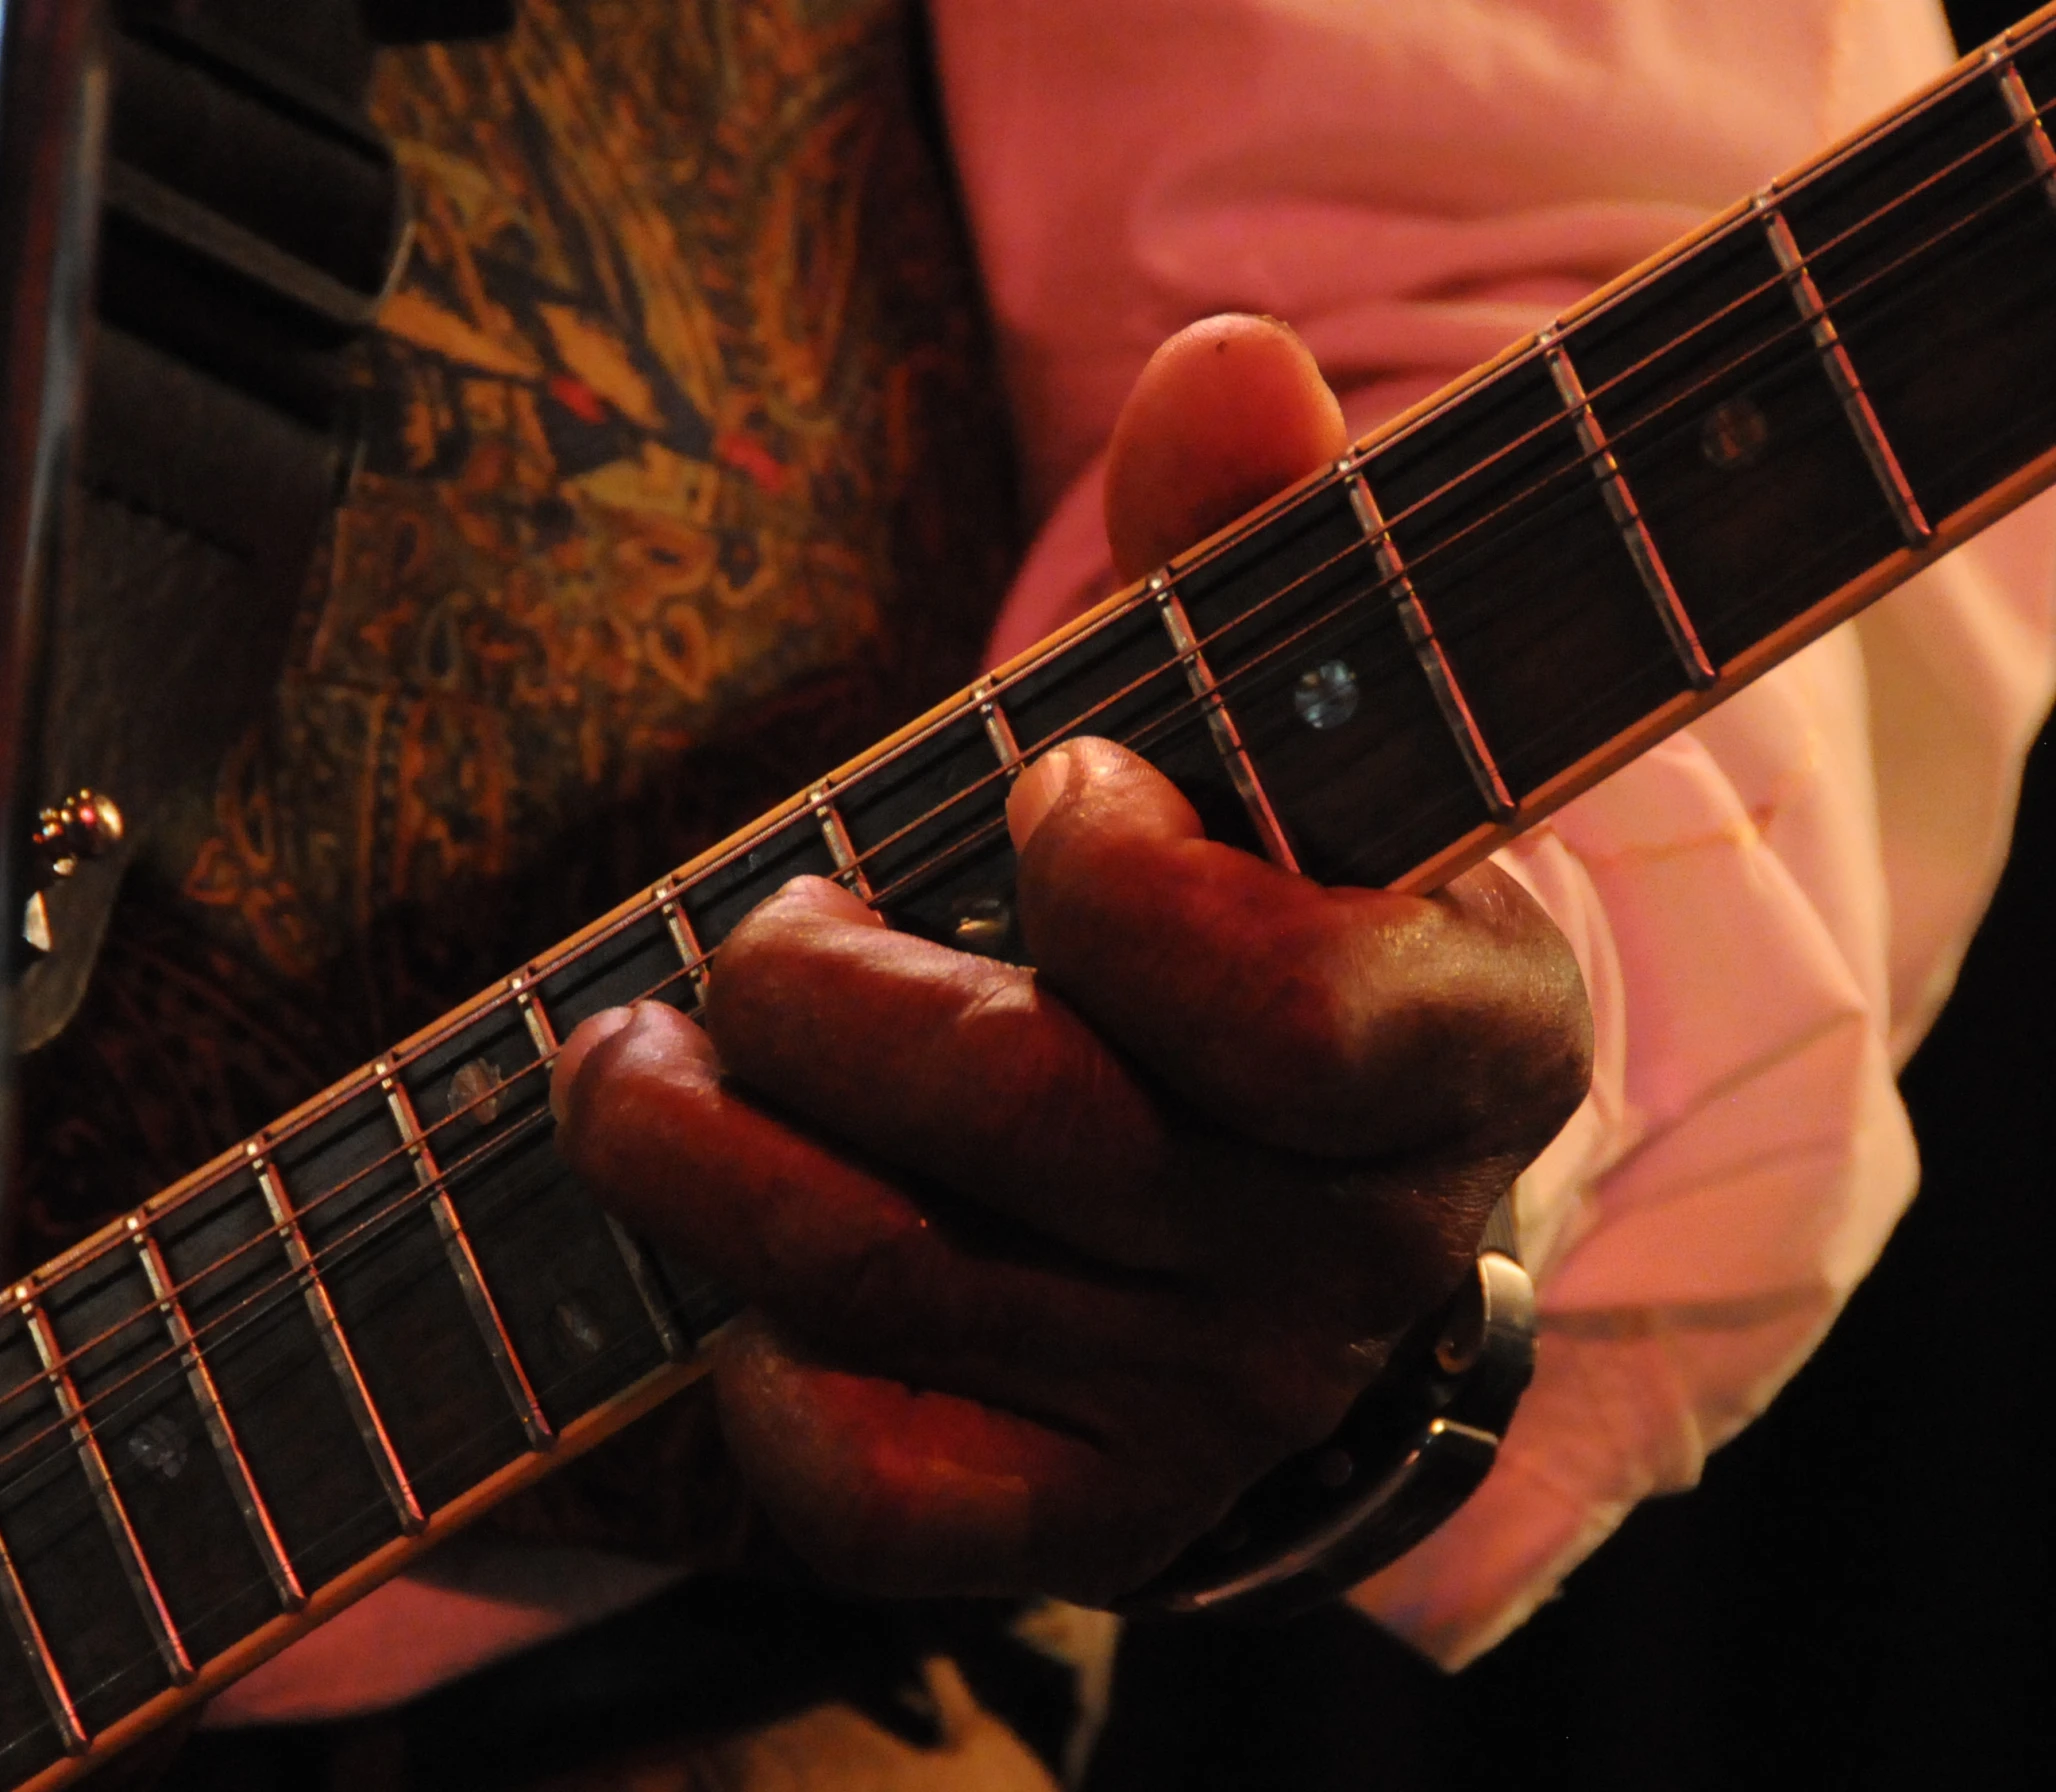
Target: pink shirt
x=1769, y=908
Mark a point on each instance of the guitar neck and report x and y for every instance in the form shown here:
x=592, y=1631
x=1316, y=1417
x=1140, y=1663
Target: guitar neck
x=241, y=1406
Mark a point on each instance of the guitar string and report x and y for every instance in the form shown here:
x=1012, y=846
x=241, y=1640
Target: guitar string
x=1189, y=709
x=81, y=1504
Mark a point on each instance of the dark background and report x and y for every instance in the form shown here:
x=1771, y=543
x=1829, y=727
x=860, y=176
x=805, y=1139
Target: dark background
x=1858, y=1594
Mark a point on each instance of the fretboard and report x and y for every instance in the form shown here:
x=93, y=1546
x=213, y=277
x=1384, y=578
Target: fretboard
x=243, y=1405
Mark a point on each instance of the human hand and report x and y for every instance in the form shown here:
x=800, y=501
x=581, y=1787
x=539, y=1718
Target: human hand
x=1044, y=1268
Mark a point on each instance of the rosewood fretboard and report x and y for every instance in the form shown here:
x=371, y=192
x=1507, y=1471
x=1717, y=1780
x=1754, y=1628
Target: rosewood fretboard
x=236, y=1410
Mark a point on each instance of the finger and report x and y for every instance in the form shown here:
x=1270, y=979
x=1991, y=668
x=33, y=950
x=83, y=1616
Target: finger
x=838, y=1253
x=1226, y=413
x=973, y=1076
x=652, y=1131
x=959, y=1070
x=1341, y=1023
x=895, y=1490
x=571, y=1055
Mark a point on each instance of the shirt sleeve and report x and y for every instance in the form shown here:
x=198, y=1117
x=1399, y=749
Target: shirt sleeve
x=1768, y=909
x=1770, y=906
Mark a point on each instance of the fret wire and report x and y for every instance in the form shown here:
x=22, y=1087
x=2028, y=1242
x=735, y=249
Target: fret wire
x=1949, y=83
x=135, y=1567
x=633, y=1257
x=1856, y=405
x=221, y=1432
x=1428, y=650
x=679, y=924
x=1668, y=263
x=1227, y=738
x=1514, y=364
x=1255, y=664
x=478, y=1299
x=42, y=1665
x=219, y=1330
x=342, y=1359
x=1350, y=464
x=1627, y=515
x=998, y=730
x=342, y=1095
x=2020, y=104
x=849, y=868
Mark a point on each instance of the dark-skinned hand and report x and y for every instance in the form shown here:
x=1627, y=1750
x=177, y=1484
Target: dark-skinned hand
x=1043, y=1268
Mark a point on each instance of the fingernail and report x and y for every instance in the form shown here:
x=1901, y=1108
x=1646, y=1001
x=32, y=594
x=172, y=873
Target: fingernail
x=571, y=1057
x=1035, y=794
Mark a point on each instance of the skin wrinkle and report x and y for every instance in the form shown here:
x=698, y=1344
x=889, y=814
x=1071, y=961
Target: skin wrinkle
x=1059, y=1083
x=901, y=1501
x=1285, y=1420
x=869, y=1516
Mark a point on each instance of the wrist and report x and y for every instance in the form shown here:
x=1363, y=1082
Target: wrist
x=1411, y=1450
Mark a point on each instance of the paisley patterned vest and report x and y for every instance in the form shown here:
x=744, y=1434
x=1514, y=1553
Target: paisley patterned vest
x=683, y=476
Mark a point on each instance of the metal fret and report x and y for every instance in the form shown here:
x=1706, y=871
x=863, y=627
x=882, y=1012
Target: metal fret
x=676, y=1346
x=221, y=1431
x=478, y=1300
x=847, y=869
x=690, y=950
x=43, y=1669
x=540, y=1032
x=142, y=1582
x=1420, y=632
x=1856, y=405
x=998, y=730
x=1627, y=518
x=342, y=1360
x=1221, y=725
x=2034, y=136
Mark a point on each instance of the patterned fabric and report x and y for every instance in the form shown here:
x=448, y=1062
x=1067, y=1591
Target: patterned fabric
x=683, y=477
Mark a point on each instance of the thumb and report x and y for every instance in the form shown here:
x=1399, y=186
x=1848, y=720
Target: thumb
x=1227, y=412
